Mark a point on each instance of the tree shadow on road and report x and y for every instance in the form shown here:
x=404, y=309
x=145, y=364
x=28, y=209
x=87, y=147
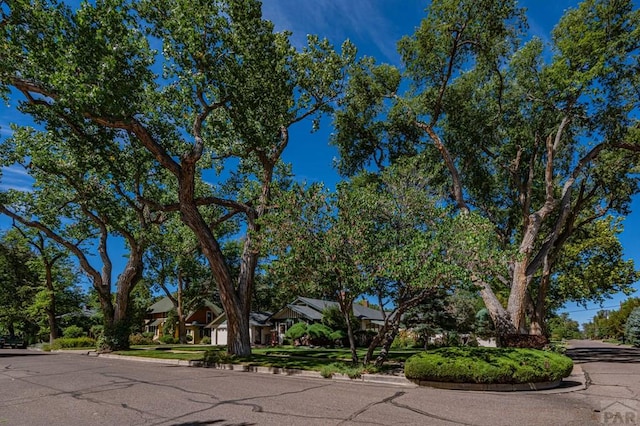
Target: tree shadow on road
x=211, y=422
x=615, y=354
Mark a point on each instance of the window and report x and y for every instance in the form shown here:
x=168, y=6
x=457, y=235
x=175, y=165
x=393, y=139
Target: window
x=209, y=316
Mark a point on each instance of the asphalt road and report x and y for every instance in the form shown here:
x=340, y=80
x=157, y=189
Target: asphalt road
x=67, y=389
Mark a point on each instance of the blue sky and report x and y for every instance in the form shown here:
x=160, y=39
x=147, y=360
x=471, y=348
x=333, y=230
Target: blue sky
x=374, y=26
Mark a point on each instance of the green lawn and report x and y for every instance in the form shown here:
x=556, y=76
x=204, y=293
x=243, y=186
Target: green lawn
x=302, y=358
x=164, y=354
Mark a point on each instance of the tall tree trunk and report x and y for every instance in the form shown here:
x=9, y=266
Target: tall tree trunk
x=390, y=336
x=539, y=312
x=499, y=315
x=352, y=340
x=517, y=297
x=346, y=307
x=238, y=342
x=234, y=301
x=53, y=326
x=377, y=340
x=51, y=310
x=182, y=327
x=118, y=325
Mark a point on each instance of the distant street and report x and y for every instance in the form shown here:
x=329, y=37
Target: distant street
x=614, y=375
x=70, y=389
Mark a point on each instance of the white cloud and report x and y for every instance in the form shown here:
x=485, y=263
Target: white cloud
x=5, y=130
x=362, y=21
x=16, y=178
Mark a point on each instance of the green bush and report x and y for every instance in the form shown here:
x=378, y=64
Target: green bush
x=296, y=331
x=73, y=342
x=327, y=371
x=140, y=339
x=319, y=334
x=213, y=357
x=403, y=340
x=632, y=328
x=488, y=365
x=73, y=331
x=96, y=330
x=168, y=340
x=338, y=336
x=206, y=340
x=319, y=331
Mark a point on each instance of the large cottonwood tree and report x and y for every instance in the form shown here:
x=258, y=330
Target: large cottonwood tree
x=541, y=140
x=81, y=200
x=204, y=85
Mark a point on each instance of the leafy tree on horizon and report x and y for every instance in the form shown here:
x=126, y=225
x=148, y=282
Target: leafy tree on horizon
x=58, y=290
x=542, y=145
x=219, y=95
x=632, y=328
x=317, y=242
x=81, y=201
x=18, y=286
x=176, y=267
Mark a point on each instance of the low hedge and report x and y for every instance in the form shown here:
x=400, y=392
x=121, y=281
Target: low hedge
x=488, y=365
x=72, y=342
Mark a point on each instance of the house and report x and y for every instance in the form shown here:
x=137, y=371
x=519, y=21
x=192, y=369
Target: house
x=156, y=316
x=310, y=311
x=195, y=321
x=260, y=329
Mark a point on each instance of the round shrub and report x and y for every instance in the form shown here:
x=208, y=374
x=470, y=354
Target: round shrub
x=168, y=340
x=488, y=365
x=319, y=331
x=206, y=340
x=632, y=328
x=339, y=337
x=319, y=334
x=73, y=331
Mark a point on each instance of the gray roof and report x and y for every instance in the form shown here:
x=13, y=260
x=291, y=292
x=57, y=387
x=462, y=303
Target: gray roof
x=259, y=318
x=312, y=309
x=161, y=306
x=361, y=311
x=306, y=311
x=318, y=304
x=165, y=304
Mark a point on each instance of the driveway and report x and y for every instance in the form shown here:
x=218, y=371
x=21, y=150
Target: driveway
x=69, y=389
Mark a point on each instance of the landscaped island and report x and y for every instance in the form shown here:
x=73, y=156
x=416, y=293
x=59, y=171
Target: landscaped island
x=488, y=366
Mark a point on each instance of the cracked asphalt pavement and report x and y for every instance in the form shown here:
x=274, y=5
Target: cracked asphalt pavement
x=39, y=388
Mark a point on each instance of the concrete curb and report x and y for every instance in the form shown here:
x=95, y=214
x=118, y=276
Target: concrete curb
x=575, y=382
x=365, y=378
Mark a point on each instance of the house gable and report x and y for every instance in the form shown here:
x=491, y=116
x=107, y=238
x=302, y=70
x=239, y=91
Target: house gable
x=162, y=306
x=308, y=309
